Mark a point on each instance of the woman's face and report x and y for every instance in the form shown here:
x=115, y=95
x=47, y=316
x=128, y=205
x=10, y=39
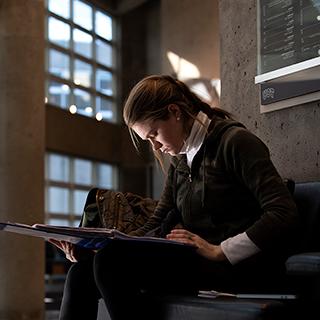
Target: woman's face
x=164, y=135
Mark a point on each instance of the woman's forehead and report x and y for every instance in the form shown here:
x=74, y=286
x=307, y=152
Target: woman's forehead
x=143, y=128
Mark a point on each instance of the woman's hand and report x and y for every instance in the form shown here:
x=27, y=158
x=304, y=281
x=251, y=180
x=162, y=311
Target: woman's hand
x=73, y=253
x=206, y=249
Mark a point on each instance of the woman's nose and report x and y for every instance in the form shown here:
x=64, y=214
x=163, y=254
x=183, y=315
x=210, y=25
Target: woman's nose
x=155, y=145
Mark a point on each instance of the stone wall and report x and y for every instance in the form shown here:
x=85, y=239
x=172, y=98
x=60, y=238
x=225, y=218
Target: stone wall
x=292, y=134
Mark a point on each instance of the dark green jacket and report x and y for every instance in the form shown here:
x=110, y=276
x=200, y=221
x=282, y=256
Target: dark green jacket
x=232, y=187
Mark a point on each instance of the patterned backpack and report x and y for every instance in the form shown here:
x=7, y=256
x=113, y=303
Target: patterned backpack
x=110, y=209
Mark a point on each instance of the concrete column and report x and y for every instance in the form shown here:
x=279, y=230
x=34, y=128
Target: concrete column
x=21, y=156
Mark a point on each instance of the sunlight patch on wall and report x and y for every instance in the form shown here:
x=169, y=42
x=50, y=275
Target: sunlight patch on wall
x=182, y=67
x=207, y=89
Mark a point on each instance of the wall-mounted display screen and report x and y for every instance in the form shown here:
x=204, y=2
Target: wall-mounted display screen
x=288, y=52
x=289, y=32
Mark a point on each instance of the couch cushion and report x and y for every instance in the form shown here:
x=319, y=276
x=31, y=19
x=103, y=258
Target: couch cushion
x=195, y=308
x=307, y=197
x=304, y=264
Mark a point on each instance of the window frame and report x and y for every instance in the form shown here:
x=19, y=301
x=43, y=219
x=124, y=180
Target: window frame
x=92, y=90
x=72, y=217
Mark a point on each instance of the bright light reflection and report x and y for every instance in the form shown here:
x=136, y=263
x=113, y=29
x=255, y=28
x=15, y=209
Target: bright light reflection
x=216, y=83
x=46, y=100
x=208, y=90
x=99, y=116
x=73, y=109
x=77, y=81
x=88, y=110
x=65, y=88
x=201, y=91
x=182, y=67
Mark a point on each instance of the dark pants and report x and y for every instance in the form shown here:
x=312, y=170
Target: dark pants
x=128, y=274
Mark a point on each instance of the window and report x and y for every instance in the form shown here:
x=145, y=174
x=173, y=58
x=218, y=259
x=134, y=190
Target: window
x=68, y=181
x=80, y=57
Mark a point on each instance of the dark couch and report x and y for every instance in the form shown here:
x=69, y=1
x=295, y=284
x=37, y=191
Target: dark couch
x=303, y=271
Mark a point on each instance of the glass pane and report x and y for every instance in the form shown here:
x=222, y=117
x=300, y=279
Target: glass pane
x=76, y=222
x=58, y=200
x=58, y=168
x=82, y=43
x=83, y=102
x=105, y=110
x=59, y=94
x=103, y=53
x=82, y=14
x=79, y=200
x=59, y=64
x=103, y=25
x=60, y=7
x=82, y=73
x=104, y=81
x=82, y=172
x=59, y=32
x=105, y=176
x=59, y=222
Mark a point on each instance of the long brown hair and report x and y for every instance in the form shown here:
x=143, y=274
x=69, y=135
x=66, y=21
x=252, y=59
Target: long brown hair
x=150, y=97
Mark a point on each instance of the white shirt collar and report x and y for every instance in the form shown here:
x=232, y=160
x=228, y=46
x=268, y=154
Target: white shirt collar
x=195, y=139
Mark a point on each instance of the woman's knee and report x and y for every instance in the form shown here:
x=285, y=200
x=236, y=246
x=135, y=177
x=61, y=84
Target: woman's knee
x=80, y=275
x=106, y=258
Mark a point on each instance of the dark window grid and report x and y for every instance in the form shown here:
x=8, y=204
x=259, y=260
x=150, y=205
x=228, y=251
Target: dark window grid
x=93, y=92
x=95, y=65
x=71, y=216
x=70, y=184
x=70, y=82
x=72, y=85
x=77, y=26
x=93, y=61
x=92, y=32
x=73, y=55
x=71, y=178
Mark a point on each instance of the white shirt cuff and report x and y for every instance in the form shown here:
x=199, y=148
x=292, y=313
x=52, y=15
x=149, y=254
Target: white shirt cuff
x=238, y=248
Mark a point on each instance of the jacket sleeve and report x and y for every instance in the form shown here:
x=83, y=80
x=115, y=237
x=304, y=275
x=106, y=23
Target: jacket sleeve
x=165, y=204
x=248, y=158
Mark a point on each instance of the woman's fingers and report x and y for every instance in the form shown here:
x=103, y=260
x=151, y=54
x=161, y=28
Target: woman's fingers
x=183, y=236
x=181, y=233
x=204, y=248
x=56, y=243
x=66, y=247
x=69, y=251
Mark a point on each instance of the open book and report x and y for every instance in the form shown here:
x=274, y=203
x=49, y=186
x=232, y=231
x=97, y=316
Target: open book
x=91, y=238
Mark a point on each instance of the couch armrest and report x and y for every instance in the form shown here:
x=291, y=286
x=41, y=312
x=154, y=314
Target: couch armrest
x=304, y=264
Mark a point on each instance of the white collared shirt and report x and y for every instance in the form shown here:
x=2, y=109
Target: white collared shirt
x=195, y=139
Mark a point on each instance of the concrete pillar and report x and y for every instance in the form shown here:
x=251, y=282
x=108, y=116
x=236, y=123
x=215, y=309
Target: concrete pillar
x=21, y=156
